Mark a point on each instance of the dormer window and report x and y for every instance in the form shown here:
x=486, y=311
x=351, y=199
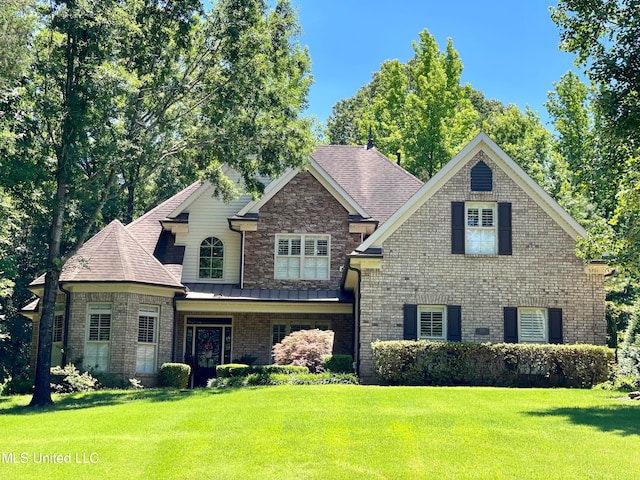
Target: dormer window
x=481, y=178
x=211, y=259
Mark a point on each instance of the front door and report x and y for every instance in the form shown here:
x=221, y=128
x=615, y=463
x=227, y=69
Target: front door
x=207, y=347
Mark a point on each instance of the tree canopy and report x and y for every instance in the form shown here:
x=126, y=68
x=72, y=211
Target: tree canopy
x=121, y=93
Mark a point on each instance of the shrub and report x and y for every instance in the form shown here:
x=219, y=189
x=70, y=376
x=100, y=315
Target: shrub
x=305, y=347
x=18, y=385
x=438, y=363
x=174, y=375
x=338, y=363
x=239, y=370
x=70, y=380
x=110, y=381
x=629, y=351
x=233, y=370
x=283, y=369
x=263, y=378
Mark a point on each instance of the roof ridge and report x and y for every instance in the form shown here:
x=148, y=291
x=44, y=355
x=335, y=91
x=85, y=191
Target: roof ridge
x=161, y=205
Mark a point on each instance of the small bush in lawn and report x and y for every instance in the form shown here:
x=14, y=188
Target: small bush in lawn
x=110, y=381
x=174, y=375
x=70, y=380
x=338, y=363
x=304, y=347
x=282, y=369
x=233, y=370
x=18, y=385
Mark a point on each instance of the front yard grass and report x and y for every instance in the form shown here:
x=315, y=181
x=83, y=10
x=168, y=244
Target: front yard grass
x=324, y=432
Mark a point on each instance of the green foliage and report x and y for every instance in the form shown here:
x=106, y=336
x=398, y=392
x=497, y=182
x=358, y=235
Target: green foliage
x=438, y=363
x=18, y=385
x=338, y=363
x=629, y=351
x=230, y=370
x=70, y=380
x=266, y=377
x=246, y=359
x=305, y=347
x=174, y=375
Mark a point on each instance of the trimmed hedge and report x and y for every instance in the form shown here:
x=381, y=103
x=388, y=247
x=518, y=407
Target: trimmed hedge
x=174, y=375
x=505, y=364
x=338, y=363
x=230, y=370
x=259, y=379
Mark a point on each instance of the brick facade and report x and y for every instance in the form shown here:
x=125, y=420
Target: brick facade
x=124, y=330
x=303, y=206
x=251, y=332
x=419, y=268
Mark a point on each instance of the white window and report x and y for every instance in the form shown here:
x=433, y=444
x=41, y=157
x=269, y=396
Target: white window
x=211, y=263
x=532, y=325
x=147, y=338
x=481, y=236
x=432, y=322
x=96, y=350
x=302, y=257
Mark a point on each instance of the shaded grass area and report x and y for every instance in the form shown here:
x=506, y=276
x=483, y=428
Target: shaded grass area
x=325, y=432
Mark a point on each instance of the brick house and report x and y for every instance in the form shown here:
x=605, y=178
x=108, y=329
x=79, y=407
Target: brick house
x=353, y=243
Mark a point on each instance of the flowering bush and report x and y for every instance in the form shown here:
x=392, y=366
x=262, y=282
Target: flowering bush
x=69, y=380
x=305, y=347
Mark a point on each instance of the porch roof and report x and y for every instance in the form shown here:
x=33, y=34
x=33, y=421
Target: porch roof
x=209, y=291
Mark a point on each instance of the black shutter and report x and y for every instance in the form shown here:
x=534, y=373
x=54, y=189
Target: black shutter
x=504, y=229
x=457, y=227
x=555, y=325
x=410, y=322
x=454, y=323
x=510, y=325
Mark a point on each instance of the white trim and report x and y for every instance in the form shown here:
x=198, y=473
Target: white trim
x=510, y=167
x=442, y=309
x=545, y=324
x=302, y=256
x=152, y=311
x=220, y=279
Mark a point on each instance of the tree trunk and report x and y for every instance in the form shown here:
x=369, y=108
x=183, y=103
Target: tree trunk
x=42, y=386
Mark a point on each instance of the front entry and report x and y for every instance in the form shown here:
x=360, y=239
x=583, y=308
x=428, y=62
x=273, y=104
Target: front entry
x=207, y=346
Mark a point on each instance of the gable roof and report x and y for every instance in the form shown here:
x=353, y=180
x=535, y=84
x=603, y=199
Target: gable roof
x=509, y=166
x=377, y=184
x=114, y=255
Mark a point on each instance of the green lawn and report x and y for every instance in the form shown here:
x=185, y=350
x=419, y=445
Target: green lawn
x=324, y=432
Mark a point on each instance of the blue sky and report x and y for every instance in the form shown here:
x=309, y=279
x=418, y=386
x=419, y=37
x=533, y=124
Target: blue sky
x=509, y=48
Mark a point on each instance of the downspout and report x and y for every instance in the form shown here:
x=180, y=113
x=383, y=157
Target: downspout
x=356, y=315
x=67, y=308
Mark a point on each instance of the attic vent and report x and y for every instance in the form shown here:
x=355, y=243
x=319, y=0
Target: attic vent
x=481, y=178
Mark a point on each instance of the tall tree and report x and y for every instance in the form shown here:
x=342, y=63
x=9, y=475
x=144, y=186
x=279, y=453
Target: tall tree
x=603, y=34
x=122, y=88
x=420, y=109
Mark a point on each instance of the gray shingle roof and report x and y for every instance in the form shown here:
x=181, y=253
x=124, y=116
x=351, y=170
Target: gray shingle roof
x=379, y=185
x=147, y=228
x=114, y=255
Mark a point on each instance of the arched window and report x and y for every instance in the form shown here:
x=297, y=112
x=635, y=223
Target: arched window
x=481, y=178
x=211, y=258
